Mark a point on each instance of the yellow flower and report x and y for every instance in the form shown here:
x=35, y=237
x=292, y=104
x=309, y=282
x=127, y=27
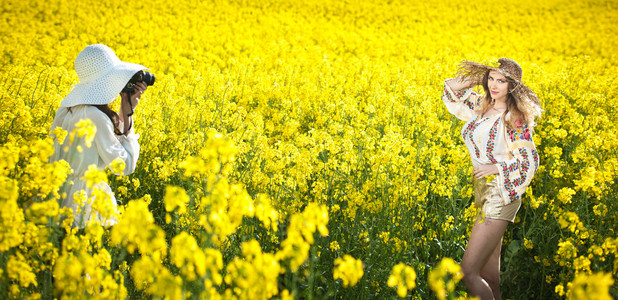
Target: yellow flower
x=94, y=176
x=285, y=295
x=39, y=212
x=59, y=134
x=150, y=275
x=559, y=290
x=348, y=269
x=565, y=195
x=187, y=256
x=403, y=277
x=600, y=209
x=587, y=181
x=528, y=243
x=334, y=246
x=300, y=234
x=214, y=265
x=215, y=155
x=103, y=258
x=117, y=166
x=102, y=204
x=86, y=129
x=175, y=197
x=581, y=264
x=12, y=224
x=265, y=120
x=256, y=275
x=18, y=269
x=566, y=252
x=444, y=277
x=265, y=212
x=10, y=156
x=385, y=236
x=136, y=230
x=595, y=286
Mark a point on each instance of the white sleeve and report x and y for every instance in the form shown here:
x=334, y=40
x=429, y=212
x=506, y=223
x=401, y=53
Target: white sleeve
x=461, y=103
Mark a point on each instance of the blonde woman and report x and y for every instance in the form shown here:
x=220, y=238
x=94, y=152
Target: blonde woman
x=102, y=77
x=498, y=135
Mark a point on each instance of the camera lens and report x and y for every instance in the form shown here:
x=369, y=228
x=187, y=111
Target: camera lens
x=148, y=78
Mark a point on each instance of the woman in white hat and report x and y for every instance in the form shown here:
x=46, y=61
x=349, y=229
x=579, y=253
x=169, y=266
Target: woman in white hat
x=102, y=76
x=498, y=135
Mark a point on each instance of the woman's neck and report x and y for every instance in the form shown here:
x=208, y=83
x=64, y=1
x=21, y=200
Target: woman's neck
x=499, y=104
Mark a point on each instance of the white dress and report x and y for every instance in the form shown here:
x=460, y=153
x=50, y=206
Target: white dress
x=106, y=147
x=491, y=140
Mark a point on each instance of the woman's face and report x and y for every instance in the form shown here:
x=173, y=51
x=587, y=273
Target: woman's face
x=498, y=86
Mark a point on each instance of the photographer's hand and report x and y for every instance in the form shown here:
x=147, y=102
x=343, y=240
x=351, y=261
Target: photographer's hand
x=126, y=108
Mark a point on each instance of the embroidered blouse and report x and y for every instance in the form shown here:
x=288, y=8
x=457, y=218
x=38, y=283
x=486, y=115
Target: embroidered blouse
x=106, y=147
x=491, y=140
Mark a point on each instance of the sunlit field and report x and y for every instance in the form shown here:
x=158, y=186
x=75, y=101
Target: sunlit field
x=301, y=150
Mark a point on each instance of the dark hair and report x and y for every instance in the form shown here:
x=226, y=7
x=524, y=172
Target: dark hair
x=511, y=102
x=112, y=115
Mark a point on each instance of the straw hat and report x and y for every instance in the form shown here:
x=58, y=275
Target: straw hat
x=101, y=76
x=507, y=67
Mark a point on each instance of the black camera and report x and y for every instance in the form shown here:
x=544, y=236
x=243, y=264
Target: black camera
x=144, y=76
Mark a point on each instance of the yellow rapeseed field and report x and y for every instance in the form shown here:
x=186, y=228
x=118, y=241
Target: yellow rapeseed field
x=301, y=150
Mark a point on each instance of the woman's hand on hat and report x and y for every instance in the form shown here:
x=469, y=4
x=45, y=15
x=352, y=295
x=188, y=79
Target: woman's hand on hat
x=484, y=170
x=461, y=83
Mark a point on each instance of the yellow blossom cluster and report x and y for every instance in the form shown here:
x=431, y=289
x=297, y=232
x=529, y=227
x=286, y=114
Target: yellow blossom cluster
x=444, y=277
x=349, y=270
x=300, y=235
x=255, y=276
x=403, y=277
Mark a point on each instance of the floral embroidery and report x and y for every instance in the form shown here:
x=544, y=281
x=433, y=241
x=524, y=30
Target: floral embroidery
x=519, y=123
x=448, y=95
x=469, y=129
x=519, y=134
x=469, y=104
x=467, y=133
x=522, y=166
x=493, y=133
x=458, y=95
x=476, y=150
x=508, y=185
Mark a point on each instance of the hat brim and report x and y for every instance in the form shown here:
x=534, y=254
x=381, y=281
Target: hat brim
x=104, y=89
x=475, y=72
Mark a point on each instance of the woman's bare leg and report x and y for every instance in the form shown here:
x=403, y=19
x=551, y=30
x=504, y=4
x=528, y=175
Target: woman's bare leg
x=485, y=238
x=491, y=271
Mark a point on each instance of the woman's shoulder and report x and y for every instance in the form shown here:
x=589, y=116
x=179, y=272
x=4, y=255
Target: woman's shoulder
x=92, y=113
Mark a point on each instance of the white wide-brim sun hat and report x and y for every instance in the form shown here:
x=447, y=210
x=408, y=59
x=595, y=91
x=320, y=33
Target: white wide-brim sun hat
x=102, y=76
